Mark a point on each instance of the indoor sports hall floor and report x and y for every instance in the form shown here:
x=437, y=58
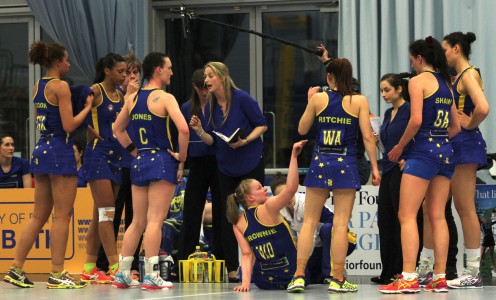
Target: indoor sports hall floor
x=220, y=291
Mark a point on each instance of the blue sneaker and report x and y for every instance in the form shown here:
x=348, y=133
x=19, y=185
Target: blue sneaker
x=17, y=278
x=124, y=282
x=155, y=282
x=425, y=279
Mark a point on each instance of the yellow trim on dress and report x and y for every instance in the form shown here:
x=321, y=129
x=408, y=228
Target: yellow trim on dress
x=134, y=104
x=94, y=118
x=266, y=225
x=289, y=231
x=327, y=95
x=432, y=73
x=106, y=94
x=160, y=116
x=461, y=102
x=101, y=94
x=345, y=110
x=246, y=221
x=36, y=90
x=44, y=91
x=169, y=136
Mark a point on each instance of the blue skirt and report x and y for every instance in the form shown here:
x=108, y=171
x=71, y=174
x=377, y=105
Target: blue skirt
x=469, y=147
x=53, y=156
x=333, y=171
x=153, y=165
x=103, y=161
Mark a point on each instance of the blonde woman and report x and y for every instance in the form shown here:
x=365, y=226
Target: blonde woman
x=231, y=109
x=267, y=246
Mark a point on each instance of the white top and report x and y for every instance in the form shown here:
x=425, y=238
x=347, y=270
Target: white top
x=297, y=221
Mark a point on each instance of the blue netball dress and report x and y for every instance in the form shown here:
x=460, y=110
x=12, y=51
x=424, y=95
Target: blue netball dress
x=431, y=145
x=334, y=161
x=274, y=250
x=102, y=158
x=13, y=178
x=53, y=153
x=152, y=139
x=81, y=182
x=469, y=145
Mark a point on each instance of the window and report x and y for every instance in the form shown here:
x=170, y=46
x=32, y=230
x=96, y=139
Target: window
x=207, y=42
x=14, y=84
x=275, y=74
x=288, y=72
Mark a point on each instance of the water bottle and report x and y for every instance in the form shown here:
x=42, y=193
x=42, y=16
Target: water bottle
x=162, y=265
x=165, y=263
x=197, y=256
x=208, y=257
x=141, y=265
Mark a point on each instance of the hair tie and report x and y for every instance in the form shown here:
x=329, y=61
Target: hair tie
x=430, y=41
x=240, y=209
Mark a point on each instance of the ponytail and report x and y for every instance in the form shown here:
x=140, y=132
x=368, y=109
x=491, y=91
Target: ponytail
x=232, y=211
x=106, y=62
x=396, y=81
x=151, y=62
x=45, y=54
x=433, y=54
x=464, y=40
x=237, y=200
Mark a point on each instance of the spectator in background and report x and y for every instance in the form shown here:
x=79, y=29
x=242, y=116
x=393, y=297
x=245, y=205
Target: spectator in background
x=15, y=170
x=486, y=226
x=319, y=264
x=78, y=154
x=394, y=91
x=203, y=171
x=172, y=227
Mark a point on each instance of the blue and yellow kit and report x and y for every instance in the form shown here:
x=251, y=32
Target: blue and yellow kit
x=469, y=145
x=102, y=158
x=274, y=250
x=431, y=144
x=53, y=153
x=152, y=138
x=334, y=161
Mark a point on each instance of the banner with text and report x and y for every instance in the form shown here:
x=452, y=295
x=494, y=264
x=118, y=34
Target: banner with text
x=16, y=208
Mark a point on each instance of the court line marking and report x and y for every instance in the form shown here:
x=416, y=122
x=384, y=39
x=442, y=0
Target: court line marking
x=185, y=296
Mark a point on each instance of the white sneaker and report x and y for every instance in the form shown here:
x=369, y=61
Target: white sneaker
x=124, y=282
x=155, y=282
x=466, y=281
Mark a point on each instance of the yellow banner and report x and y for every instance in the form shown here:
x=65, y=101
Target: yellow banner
x=16, y=208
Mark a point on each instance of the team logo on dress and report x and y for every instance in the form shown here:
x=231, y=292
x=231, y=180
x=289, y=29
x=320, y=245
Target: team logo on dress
x=110, y=107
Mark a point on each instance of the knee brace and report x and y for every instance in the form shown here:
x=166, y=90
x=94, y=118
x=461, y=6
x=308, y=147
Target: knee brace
x=106, y=214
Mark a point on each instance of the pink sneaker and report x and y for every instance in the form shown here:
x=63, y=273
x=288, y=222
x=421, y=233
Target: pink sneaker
x=401, y=286
x=95, y=276
x=437, y=286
